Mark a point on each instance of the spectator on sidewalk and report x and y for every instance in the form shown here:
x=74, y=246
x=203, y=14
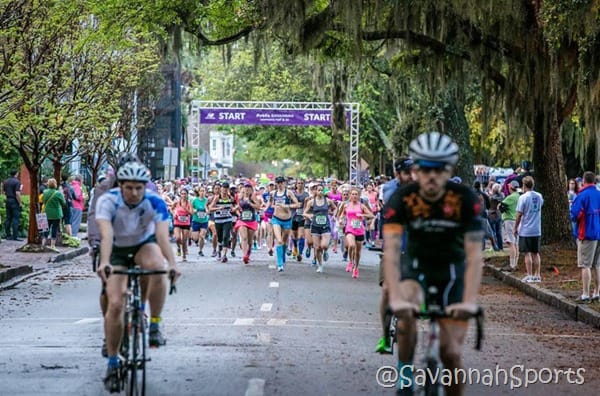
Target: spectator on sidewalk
x=528, y=226
x=585, y=212
x=508, y=208
x=494, y=215
x=69, y=195
x=54, y=201
x=77, y=204
x=12, y=190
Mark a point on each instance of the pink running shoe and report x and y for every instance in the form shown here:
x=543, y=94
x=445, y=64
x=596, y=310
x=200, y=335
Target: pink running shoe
x=349, y=266
x=355, y=273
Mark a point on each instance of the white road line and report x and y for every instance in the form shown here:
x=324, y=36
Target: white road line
x=88, y=320
x=264, y=338
x=266, y=307
x=276, y=322
x=271, y=266
x=256, y=387
x=243, y=322
x=274, y=284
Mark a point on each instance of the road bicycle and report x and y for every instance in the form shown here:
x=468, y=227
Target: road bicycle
x=132, y=373
x=432, y=362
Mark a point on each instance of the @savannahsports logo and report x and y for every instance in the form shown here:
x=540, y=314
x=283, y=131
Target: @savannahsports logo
x=210, y=116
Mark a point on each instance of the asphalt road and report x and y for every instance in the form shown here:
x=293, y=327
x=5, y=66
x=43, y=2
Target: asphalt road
x=249, y=330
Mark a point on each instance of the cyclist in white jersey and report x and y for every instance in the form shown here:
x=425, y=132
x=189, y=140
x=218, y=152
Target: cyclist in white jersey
x=132, y=221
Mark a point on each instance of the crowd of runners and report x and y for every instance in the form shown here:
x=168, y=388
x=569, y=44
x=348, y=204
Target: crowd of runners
x=292, y=219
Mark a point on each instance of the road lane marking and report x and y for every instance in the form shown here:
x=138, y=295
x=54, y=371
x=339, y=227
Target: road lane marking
x=256, y=387
x=274, y=284
x=271, y=266
x=243, y=322
x=276, y=322
x=88, y=320
x=266, y=307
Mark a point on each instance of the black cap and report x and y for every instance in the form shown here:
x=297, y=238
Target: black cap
x=404, y=164
x=225, y=184
x=280, y=179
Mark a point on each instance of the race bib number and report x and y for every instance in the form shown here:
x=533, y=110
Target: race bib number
x=202, y=215
x=321, y=220
x=356, y=224
x=183, y=219
x=247, y=215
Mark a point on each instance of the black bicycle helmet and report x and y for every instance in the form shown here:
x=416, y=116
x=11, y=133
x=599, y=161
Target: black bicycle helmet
x=133, y=171
x=404, y=164
x=433, y=150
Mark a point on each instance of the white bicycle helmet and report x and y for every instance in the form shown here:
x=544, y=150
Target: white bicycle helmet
x=434, y=150
x=133, y=171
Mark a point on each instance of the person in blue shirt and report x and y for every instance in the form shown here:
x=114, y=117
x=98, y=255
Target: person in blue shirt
x=585, y=213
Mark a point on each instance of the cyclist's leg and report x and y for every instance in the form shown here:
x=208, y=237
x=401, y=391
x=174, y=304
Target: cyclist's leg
x=116, y=286
x=452, y=337
x=150, y=257
x=406, y=329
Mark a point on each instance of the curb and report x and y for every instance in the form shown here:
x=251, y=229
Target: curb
x=13, y=276
x=69, y=255
x=10, y=273
x=578, y=312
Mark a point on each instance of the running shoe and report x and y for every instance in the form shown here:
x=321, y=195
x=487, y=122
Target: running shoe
x=224, y=259
x=155, y=338
x=246, y=259
x=201, y=253
x=288, y=252
x=299, y=257
x=320, y=269
x=584, y=299
x=383, y=347
x=178, y=250
x=355, y=273
x=214, y=254
x=526, y=279
x=349, y=266
x=232, y=253
x=270, y=252
x=314, y=263
x=307, y=253
x=279, y=268
x=326, y=255
x=184, y=258
x=536, y=279
x=112, y=381
x=345, y=255
x=295, y=252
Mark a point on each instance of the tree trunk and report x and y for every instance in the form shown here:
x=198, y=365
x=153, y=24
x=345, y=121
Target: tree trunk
x=57, y=169
x=549, y=176
x=32, y=232
x=455, y=125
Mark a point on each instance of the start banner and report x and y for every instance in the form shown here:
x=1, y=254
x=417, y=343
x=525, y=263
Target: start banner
x=273, y=117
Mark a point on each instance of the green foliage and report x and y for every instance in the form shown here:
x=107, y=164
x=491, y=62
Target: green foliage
x=24, y=220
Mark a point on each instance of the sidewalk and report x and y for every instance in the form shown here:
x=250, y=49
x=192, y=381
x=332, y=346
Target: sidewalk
x=16, y=266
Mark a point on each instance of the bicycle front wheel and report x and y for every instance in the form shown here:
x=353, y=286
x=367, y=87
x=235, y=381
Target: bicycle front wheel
x=137, y=369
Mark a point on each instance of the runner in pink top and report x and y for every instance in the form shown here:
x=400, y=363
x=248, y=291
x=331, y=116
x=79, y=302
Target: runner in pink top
x=355, y=213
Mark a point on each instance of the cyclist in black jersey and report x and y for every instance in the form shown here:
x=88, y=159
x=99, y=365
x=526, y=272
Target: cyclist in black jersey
x=444, y=228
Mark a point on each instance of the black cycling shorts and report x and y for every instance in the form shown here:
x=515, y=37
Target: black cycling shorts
x=448, y=279
x=124, y=255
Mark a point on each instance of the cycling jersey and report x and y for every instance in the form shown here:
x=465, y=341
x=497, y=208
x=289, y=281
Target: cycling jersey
x=132, y=226
x=435, y=229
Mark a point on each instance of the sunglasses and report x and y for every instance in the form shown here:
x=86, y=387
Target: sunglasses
x=427, y=169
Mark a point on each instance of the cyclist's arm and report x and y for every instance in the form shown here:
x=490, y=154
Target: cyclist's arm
x=392, y=248
x=106, y=243
x=474, y=266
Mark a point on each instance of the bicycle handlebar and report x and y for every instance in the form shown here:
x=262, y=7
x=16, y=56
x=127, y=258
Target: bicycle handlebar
x=438, y=313
x=136, y=271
